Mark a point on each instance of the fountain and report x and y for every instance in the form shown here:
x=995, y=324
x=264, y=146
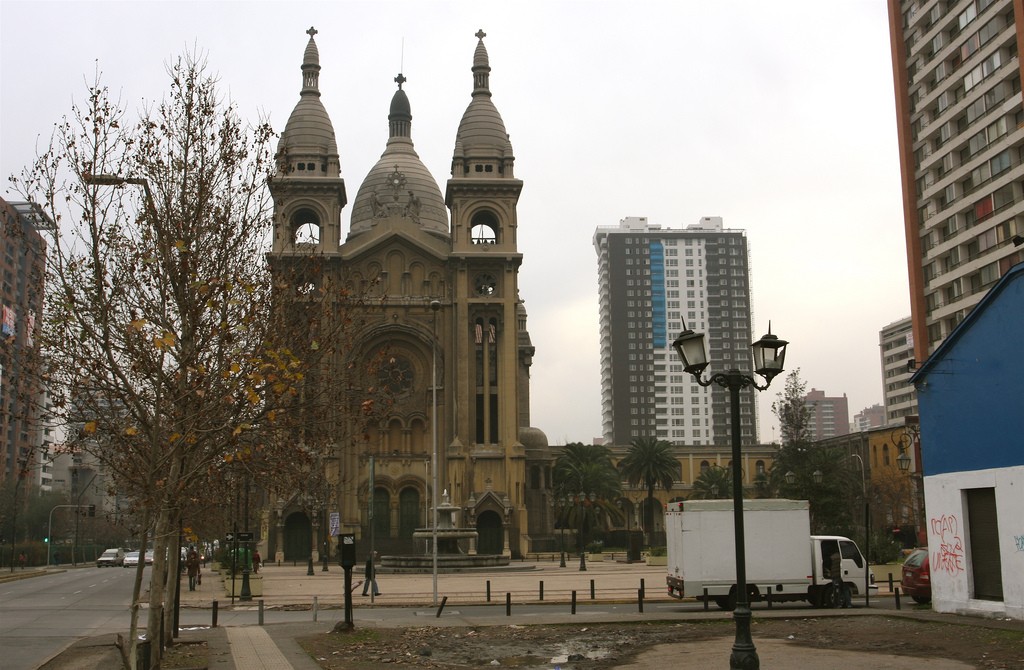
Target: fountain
x=456, y=547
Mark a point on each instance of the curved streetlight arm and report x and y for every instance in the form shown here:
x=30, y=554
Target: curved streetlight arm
x=730, y=379
x=114, y=180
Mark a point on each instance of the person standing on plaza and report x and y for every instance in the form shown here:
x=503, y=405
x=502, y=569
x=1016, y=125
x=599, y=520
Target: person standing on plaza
x=370, y=575
x=843, y=598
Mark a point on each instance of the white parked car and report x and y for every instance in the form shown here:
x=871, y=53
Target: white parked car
x=131, y=559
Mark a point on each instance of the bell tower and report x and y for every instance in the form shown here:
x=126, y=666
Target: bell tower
x=482, y=195
x=308, y=190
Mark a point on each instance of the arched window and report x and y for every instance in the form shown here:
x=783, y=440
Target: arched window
x=305, y=227
x=484, y=229
x=704, y=465
x=885, y=454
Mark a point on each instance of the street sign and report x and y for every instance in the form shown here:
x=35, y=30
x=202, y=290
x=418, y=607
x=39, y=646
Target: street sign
x=230, y=537
x=245, y=537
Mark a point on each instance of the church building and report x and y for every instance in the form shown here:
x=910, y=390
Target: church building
x=440, y=276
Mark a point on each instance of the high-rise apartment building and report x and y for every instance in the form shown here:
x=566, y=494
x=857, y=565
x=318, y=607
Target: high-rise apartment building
x=957, y=80
x=22, y=266
x=829, y=415
x=868, y=418
x=652, y=280
x=896, y=344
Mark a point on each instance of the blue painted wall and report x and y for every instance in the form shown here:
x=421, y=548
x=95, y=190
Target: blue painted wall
x=971, y=390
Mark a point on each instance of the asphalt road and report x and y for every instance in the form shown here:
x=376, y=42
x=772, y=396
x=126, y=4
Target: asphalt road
x=39, y=617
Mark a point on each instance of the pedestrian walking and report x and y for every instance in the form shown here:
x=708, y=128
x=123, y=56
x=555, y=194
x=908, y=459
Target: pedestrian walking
x=370, y=575
x=192, y=567
x=22, y=559
x=256, y=561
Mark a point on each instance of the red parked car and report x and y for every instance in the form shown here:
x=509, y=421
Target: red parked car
x=916, y=580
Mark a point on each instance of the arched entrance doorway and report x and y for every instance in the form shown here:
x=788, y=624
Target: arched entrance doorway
x=298, y=537
x=408, y=512
x=489, y=531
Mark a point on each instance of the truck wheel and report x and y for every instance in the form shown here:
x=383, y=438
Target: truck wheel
x=830, y=597
x=723, y=602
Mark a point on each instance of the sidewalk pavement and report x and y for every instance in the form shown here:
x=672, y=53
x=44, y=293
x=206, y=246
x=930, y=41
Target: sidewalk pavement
x=407, y=600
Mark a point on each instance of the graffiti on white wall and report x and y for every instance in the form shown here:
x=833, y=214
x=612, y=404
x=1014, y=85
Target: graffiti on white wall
x=948, y=556
x=1019, y=539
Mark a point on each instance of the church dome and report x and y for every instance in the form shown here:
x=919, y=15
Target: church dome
x=399, y=185
x=533, y=438
x=482, y=131
x=309, y=133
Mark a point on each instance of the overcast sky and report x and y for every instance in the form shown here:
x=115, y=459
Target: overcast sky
x=777, y=116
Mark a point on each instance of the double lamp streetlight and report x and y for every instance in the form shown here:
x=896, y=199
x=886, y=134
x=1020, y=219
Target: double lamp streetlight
x=769, y=356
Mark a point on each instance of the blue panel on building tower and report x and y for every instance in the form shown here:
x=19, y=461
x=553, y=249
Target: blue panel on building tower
x=659, y=324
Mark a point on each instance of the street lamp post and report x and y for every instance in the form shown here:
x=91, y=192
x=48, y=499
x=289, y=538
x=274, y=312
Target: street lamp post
x=769, y=357
x=581, y=501
x=558, y=508
x=905, y=438
x=435, y=306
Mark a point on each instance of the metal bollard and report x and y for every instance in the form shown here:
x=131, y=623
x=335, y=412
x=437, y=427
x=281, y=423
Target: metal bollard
x=643, y=589
x=542, y=589
x=574, y=602
x=705, y=600
x=897, y=594
x=488, y=590
x=316, y=608
x=441, y=608
x=890, y=582
x=261, y=611
x=508, y=604
x=769, y=597
x=214, y=612
x=591, y=589
x=640, y=600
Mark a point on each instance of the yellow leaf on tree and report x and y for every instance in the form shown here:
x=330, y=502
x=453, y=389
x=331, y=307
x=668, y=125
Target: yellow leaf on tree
x=252, y=397
x=89, y=428
x=131, y=430
x=138, y=324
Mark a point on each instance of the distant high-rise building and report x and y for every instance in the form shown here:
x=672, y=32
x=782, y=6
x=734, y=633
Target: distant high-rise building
x=22, y=268
x=896, y=343
x=650, y=281
x=830, y=416
x=868, y=418
x=957, y=79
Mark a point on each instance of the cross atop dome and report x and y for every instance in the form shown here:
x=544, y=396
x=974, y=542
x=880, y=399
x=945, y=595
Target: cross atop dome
x=400, y=79
x=312, y=31
x=480, y=34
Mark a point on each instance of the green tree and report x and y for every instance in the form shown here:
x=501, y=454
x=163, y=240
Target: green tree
x=650, y=461
x=713, y=482
x=807, y=471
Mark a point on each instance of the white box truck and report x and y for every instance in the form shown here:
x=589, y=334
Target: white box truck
x=784, y=561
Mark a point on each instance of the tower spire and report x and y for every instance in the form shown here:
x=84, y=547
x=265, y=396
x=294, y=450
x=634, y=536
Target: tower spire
x=311, y=66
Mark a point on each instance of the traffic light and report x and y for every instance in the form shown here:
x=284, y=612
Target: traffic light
x=92, y=510
x=46, y=540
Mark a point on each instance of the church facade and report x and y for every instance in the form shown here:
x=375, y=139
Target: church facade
x=439, y=274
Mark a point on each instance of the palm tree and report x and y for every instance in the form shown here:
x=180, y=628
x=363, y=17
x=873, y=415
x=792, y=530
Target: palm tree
x=650, y=461
x=713, y=482
x=587, y=484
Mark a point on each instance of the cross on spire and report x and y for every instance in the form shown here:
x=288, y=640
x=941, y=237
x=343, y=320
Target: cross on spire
x=480, y=34
x=400, y=79
x=312, y=31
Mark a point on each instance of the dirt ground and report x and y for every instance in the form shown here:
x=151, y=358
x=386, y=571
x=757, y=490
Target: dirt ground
x=604, y=646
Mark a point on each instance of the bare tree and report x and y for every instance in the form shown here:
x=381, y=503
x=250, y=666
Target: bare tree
x=165, y=351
